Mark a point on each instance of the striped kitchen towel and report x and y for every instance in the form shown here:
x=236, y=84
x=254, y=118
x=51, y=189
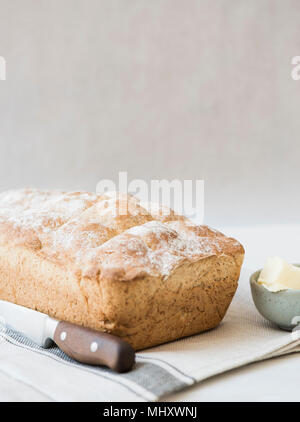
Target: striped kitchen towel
x=28, y=372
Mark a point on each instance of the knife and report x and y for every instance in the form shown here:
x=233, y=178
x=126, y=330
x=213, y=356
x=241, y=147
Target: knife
x=82, y=344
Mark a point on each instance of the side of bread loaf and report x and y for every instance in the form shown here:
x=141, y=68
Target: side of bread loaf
x=111, y=264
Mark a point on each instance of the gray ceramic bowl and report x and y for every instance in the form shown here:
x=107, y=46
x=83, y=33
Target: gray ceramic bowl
x=282, y=308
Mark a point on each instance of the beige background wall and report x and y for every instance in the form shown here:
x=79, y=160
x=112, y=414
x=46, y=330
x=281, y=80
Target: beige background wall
x=160, y=88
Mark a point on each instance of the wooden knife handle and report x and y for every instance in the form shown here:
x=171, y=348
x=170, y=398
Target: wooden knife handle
x=94, y=347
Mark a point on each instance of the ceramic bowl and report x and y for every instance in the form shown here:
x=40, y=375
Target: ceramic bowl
x=282, y=308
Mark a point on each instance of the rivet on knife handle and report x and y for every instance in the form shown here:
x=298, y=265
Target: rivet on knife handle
x=94, y=347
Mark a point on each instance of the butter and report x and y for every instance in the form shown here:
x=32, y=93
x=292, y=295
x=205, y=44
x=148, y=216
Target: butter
x=278, y=274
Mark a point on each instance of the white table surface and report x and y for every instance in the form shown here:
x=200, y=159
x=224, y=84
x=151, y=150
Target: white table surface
x=272, y=380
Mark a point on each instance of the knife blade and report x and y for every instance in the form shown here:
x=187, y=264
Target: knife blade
x=82, y=344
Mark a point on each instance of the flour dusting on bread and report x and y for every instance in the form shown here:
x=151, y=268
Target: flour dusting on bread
x=85, y=228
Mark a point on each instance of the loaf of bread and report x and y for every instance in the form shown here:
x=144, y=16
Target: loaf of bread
x=114, y=264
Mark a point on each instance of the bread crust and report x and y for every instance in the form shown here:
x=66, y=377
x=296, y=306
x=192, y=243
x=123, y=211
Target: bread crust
x=148, y=278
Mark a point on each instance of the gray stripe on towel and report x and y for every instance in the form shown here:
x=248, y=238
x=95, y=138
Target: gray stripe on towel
x=151, y=377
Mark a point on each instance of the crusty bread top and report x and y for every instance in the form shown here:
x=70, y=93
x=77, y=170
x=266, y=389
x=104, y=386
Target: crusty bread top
x=112, y=235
